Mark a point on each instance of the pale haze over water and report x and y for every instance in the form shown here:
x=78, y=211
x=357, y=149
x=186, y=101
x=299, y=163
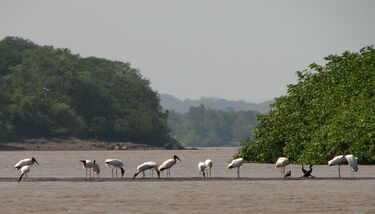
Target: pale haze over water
x=247, y=50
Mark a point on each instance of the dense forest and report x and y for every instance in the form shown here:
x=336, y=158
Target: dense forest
x=50, y=92
x=170, y=102
x=329, y=110
x=203, y=126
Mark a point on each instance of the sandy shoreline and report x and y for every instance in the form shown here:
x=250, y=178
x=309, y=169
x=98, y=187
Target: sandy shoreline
x=177, y=179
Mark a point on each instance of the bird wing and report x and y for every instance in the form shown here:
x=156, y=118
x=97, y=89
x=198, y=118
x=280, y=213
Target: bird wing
x=353, y=162
x=168, y=163
x=235, y=163
x=336, y=160
x=22, y=163
x=280, y=162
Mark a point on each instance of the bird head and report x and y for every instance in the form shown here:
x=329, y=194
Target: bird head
x=175, y=157
x=34, y=160
x=84, y=162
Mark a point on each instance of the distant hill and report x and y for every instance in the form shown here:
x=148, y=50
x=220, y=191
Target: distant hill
x=46, y=92
x=170, y=102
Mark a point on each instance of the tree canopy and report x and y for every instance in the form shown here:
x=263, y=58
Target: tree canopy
x=329, y=110
x=50, y=92
x=203, y=126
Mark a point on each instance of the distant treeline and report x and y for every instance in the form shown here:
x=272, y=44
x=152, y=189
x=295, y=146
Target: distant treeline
x=49, y=92
x=170, y=102
x=202, y=126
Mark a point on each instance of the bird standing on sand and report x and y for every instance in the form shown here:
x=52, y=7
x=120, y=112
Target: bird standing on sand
x=202, y=169
x=281, y=163
x=146, y=166
x=345, y=158
x=307, y=173
x=168, y=164
x=25, y=162
x=208, y=164
x=88, y=165
x=116, y=163
x=237, y=163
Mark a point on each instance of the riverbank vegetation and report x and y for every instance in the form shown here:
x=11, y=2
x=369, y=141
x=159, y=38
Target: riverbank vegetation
x=49, y=92
x=329, y=110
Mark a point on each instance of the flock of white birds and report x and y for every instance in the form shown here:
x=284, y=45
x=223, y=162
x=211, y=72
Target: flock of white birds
x=93, y=170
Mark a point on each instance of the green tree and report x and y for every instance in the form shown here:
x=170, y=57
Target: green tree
x=328, y=111
x=49, y=92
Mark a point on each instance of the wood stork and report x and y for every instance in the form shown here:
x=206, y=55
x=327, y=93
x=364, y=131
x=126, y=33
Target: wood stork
x=208, y=164
x=88, y=165
x=237, y=163
x=281, y=163
x=307, y=173
x=116, y=163
x=25, y=173
x=25, y=162
x=345, y=158
x=168, y=164
x=202, y=169
x=146, y=166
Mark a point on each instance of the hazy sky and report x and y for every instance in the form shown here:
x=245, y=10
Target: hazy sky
x=247, y=50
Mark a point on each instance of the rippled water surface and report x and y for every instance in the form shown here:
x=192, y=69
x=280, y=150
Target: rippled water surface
x=265, y=193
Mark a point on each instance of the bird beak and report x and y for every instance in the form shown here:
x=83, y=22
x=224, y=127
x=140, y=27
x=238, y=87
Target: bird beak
x=36, y=162
x=178, y=158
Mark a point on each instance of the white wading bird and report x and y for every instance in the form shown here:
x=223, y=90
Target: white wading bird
x=25, y=173
x=208, y=164
x=88, y=165
x=116, y=164
x=146, y=166
x=237, y=163
x=168, y=164
x=281, y=163
x=25, y=162
x=345, y=158
x=202, y=169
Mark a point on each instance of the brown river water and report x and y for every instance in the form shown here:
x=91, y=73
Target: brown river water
x=58, y=186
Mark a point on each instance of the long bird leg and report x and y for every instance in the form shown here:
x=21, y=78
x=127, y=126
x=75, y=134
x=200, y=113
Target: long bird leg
x=86, y=175
x=143, y=174
x=116, y=172
x=112, y=172
x=238, y=172
x=339, y=171
x=152, y=173
x=281, y=172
